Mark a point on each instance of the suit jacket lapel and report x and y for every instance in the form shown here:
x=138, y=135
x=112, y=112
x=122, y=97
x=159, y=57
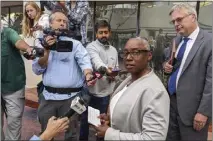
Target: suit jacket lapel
x=193, y=50
x=178, y=40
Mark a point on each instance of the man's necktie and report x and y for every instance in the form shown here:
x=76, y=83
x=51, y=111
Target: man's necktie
x=173, y=77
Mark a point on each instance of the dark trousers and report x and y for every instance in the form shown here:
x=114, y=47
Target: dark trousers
x=178, y=130
x=57, y=108
x=100, y=103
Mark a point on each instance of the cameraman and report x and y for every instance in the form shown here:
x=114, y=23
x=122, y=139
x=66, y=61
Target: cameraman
x=63, y=73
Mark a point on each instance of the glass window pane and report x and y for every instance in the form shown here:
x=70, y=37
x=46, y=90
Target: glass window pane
x=16, y=16
x=205, y=15
x=12, y=19
x=154, y=25
x=4, y=16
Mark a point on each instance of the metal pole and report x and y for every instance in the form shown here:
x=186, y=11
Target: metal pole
x=94, y=17
x=138, y=19
x=198, y=8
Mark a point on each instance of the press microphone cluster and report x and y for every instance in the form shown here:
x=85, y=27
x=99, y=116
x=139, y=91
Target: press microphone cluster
x=78, y=106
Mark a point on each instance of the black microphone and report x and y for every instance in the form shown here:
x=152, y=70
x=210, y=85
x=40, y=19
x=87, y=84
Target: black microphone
x=78, y=106
x=36, y=52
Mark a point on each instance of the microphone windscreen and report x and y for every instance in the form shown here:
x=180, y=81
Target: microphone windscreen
x=85, y=98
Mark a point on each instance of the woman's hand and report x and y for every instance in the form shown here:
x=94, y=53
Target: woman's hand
x=101, y=130
x=104, y=118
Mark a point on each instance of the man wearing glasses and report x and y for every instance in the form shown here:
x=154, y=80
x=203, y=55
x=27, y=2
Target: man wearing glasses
x=139, y=107
x=190, y=82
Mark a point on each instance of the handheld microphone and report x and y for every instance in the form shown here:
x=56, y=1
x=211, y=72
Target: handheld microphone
x=78, y=106
x=36, y=52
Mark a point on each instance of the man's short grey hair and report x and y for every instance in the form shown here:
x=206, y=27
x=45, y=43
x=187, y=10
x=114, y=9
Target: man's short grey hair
x=144, y=41
x=52, y=17
x=189, y=8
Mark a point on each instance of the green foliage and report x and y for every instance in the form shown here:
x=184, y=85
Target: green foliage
x=14, y=22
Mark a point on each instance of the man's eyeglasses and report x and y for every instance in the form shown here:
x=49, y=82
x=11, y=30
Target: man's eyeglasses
x=133, y=54
x=179, y=20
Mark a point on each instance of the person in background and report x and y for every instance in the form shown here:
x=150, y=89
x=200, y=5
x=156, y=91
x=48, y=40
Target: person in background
x=139, y=107
x=77, y=12
x=102, y=55
x=190, y=81
x=13, y=80
x=158, y=53
x=34, y=21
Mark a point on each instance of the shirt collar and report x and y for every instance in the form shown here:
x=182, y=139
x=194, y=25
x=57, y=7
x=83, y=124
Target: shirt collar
x=106, y=46
x=194, y=34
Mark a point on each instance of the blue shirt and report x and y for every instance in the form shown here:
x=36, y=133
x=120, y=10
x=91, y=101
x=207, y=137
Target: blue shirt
x=64, y=70
x=35, y=138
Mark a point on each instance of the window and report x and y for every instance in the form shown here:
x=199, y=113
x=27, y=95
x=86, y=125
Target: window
x=12, y=17
x=205, y=15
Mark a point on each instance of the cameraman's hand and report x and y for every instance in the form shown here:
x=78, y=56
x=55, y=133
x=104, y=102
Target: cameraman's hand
x=54, y=126
x=50, y=40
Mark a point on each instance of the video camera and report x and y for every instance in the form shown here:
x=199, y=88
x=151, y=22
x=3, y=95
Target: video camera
x=57, y=32
x=73, y=32
x=36, y=52
x=60, y=46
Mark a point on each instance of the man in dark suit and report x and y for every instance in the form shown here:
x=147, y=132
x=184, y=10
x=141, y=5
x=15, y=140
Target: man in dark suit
x=190, y=82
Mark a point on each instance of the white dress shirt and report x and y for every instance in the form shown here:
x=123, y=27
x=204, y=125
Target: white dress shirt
x=192, y=37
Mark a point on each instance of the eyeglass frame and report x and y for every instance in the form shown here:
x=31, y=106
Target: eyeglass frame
x=179, y=20
x=139, y=52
